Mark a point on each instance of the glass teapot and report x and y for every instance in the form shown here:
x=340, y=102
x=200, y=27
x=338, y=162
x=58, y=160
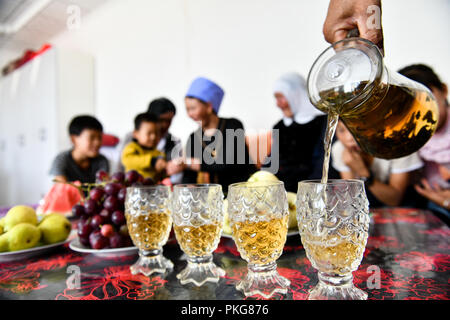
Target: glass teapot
x=389, y=115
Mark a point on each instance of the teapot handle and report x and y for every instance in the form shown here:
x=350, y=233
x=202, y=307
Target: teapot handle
x=354, y=33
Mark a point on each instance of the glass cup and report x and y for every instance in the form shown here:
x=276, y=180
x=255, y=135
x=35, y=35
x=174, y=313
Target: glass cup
x=259, y=216
x=333, y=221
x=149, y=223
x=198, y=221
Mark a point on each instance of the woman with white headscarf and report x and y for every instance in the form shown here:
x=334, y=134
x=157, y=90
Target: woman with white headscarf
x=301, y=132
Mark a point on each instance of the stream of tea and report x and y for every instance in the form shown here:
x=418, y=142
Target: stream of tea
x=333, y=119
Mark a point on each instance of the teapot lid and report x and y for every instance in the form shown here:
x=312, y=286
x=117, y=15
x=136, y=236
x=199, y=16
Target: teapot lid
x=345, y=72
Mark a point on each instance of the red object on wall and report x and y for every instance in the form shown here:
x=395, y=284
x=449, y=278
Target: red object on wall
x=26, y=57
x=109, y=140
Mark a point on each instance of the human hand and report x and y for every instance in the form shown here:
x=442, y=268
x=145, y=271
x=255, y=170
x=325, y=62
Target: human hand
x=352, y=158
x=175, y=166
x=193, y=164
x=438, y=195
x=346, y=15
x=160, y=164
x=444, y=172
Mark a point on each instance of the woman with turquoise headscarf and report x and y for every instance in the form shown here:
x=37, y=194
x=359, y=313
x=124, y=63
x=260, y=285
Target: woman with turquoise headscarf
x=216, y=152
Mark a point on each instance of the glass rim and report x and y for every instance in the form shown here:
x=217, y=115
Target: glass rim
x=156, y=186
x=197, y=185
x=330, y=182
x=318, y=63
x=246, y=184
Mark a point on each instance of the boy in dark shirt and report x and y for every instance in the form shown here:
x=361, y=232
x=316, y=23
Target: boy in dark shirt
x=83, y=161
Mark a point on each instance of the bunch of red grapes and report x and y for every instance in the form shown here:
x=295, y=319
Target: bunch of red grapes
x=101, y=215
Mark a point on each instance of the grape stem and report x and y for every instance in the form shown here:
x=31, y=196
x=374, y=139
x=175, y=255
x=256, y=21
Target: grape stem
x=83, y=187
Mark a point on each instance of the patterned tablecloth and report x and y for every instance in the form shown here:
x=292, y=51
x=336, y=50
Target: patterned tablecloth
x=407, y=257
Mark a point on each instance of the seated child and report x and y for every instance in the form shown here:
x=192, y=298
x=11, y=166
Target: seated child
x=83, y=160
x=436, y=152
x=141, y=154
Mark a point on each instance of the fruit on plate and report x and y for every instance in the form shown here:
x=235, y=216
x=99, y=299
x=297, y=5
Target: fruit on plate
x=23, y=236
x=263, y=176
x=54, y=228
x=226, y=219
x=102, y=222
x=292, y=222
x=19, y=214
x=22, y=231
x=4, y=242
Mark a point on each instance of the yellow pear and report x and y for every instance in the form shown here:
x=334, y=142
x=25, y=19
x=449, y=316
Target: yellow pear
x=4, y=242
x=20, y=214
x=292, y=198
x=55, y=228
x=23, y=236
x=49, y=215
x=263, y=175
x=226, y=218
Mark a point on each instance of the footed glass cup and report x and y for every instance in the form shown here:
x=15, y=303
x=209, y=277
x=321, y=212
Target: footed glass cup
x=258, y=213
x=198, y=221
x=149, y=223
x=333, y=221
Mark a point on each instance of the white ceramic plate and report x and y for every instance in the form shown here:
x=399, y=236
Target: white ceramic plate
x=291, y=232
x=29, y=253
x=75, y=245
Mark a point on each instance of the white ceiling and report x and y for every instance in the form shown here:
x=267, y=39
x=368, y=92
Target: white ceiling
x=46, y=24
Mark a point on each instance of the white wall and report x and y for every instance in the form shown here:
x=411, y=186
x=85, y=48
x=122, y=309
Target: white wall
x=150, y=48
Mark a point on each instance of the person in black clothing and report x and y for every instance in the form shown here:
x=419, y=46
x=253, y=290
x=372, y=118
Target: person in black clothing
x=301, y=133
x=165, y=110
x=216, y=152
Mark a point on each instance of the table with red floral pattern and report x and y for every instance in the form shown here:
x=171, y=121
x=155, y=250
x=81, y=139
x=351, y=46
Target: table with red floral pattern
x=406, y=257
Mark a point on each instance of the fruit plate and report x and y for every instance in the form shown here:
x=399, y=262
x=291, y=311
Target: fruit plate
x=291, y=232
x=32, y=252
x=75, y=245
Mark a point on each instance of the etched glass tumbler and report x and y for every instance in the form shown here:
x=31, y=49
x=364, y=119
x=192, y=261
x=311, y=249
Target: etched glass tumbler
x=333, y=221
x=259, y=215
x=149, y=223
x=198, y=221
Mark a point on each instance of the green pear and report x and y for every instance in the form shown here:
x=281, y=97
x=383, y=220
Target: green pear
x=20, y=214
x=292, y=198
x=4, y=242
x=226, y=218
x=2, y=225
x=48, y=215
x=263, y=175
x=55, y=228
x=23, y=236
